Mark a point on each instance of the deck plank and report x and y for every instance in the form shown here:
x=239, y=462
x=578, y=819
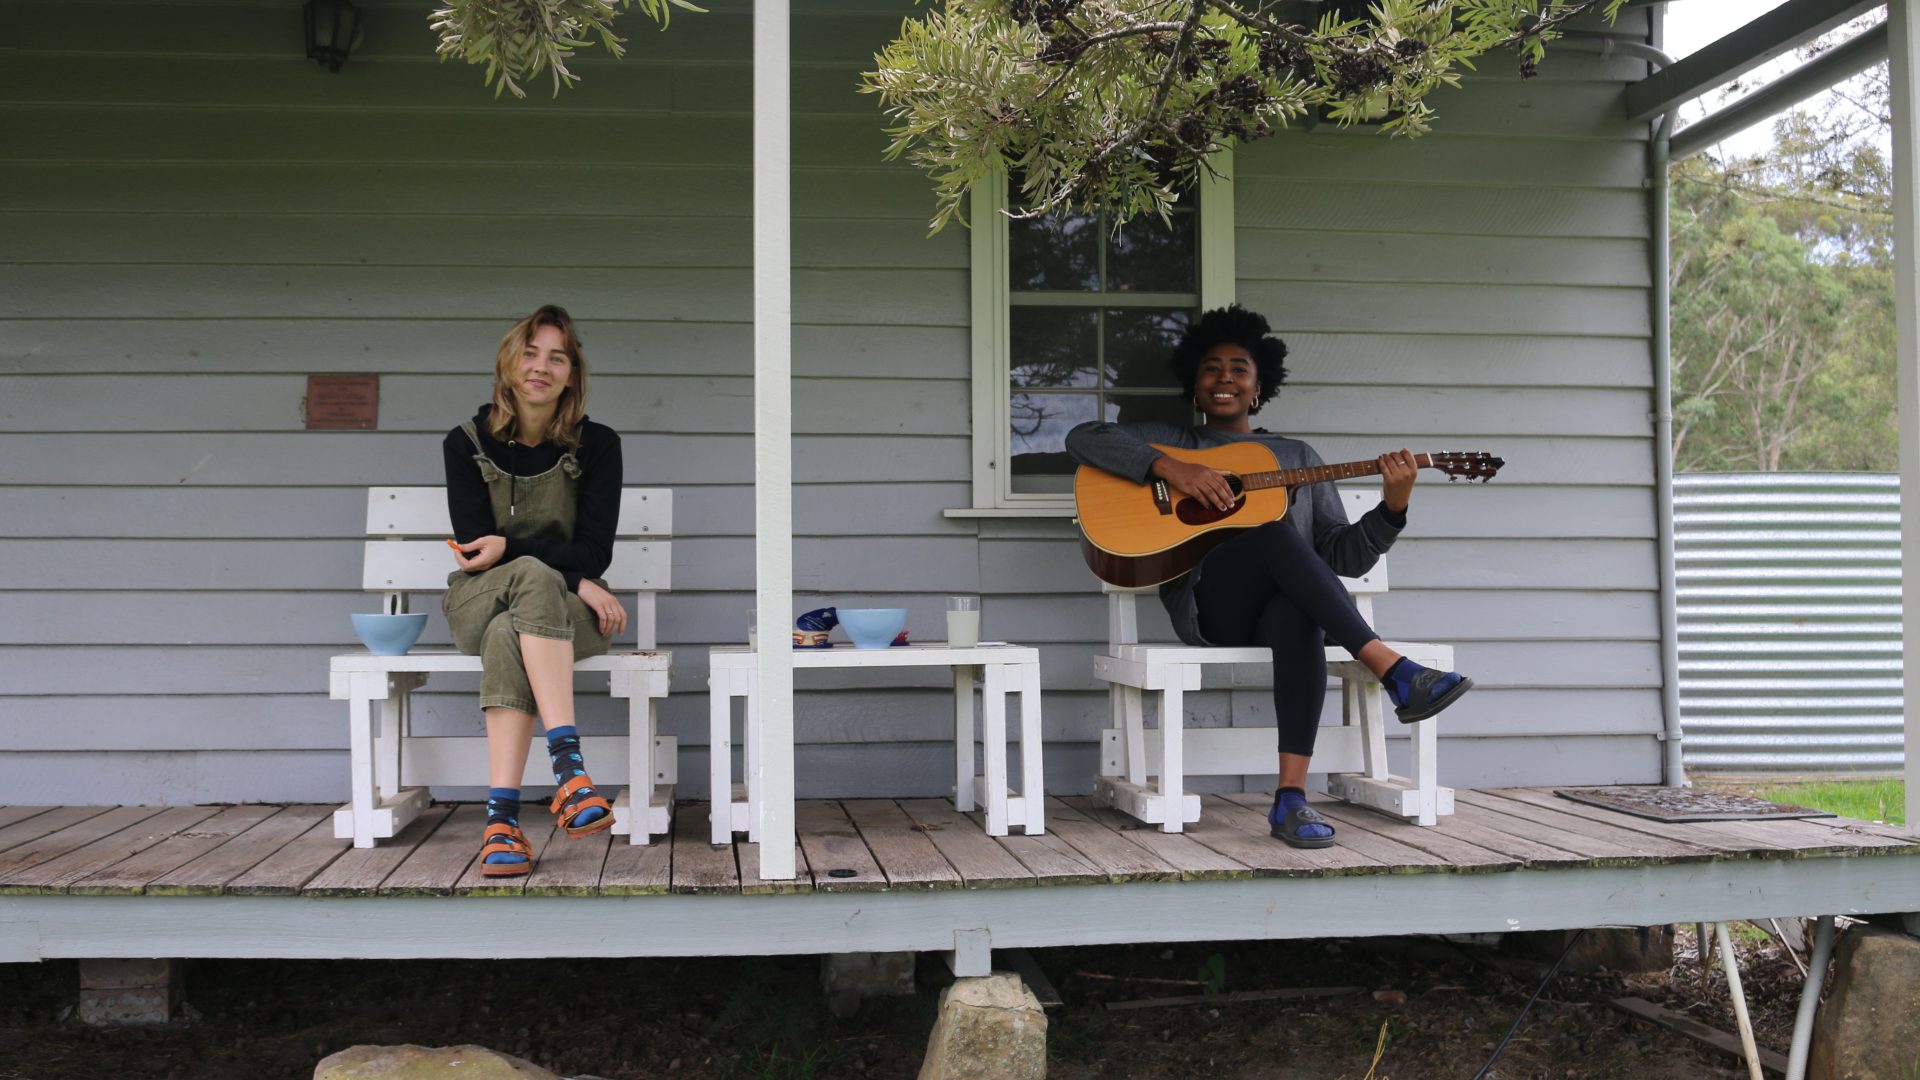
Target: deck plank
x=34, y=827
x=1372, y=844
x=1526, y=843
x=1251, y=823
x=56, y=874
x=209, y=874
x=1195, y=861
x=981, y=861
x=571, y=865
x=1115, y=857
x=746, y=855
x=1052, y=860
x=698, y=866
x=359, y=871
x=130, y=876
x=12, y=814
x=903, y=851
x=832, y=843
x=540, y=835
x=284, y=872
x=17, y=860
x=1601, y=845
x=1440, y=841
x=439, y=862
x=638, y=869
x=1727, y=836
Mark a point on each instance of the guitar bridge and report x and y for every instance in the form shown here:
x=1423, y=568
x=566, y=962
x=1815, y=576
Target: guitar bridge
x=1163, y=496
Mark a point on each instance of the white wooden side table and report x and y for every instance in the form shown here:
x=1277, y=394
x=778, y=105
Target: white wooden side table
x=1000, y=670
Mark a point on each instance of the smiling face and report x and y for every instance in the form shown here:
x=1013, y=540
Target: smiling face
x=1226, y=385
x=544, y=369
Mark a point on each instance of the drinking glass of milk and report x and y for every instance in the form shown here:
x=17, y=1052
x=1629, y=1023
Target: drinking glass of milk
x=963, y=621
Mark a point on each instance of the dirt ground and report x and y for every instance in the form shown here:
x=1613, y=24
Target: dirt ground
x=631, y=1019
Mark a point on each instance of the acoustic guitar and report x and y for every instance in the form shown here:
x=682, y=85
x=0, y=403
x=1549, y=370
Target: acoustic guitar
x=1135, y=535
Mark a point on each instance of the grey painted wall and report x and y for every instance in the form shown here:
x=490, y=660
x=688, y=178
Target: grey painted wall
x=193, y=217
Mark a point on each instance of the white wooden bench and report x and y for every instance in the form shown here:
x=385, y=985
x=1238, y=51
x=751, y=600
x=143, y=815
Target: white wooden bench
x=391, y=767
x=1145, y=776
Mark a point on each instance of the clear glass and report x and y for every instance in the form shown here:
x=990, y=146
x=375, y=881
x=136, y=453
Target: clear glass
x=753, y=629
x=1038, y=424
x=1135, y=344
x=1056, y=253
x=1053, y=346
x=1147, y=255
x=963, y=621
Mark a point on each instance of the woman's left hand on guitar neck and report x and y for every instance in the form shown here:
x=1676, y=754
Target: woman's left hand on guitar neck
x=1397, y=472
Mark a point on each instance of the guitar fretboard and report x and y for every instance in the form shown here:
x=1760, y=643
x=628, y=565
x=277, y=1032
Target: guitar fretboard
x=1293, y=478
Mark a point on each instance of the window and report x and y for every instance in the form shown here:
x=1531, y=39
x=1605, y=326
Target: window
x=1073, y=322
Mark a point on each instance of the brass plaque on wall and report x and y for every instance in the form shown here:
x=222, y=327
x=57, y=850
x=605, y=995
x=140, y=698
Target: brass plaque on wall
x=343, y=402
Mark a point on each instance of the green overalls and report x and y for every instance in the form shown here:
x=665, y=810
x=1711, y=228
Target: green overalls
x=488, y=611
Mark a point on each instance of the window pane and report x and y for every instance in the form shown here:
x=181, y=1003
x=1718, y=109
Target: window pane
x=1053, y=346
x=1059, y=252
x=1135, y=408
x=1138, y=343
x=1039, y=424
x=1148, y=256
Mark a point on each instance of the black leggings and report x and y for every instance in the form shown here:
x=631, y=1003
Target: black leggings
x=1268, y=587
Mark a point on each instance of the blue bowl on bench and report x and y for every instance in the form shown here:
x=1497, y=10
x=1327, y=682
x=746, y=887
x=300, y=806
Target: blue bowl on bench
x=389, y=635
x=873, y=628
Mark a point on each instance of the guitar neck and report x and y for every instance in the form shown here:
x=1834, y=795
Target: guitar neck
x=1293, y=478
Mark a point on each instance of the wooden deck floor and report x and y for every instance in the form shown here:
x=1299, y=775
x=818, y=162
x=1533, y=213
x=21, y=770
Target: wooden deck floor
x=861, y=846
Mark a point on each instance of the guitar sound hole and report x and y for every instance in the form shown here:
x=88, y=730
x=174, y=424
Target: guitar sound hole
x=1194, y=512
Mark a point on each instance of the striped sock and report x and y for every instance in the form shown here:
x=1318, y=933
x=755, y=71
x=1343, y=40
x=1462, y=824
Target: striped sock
x=563, y=750
x=503, y=805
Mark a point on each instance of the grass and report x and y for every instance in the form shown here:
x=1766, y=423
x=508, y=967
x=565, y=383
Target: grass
x=1871, y=800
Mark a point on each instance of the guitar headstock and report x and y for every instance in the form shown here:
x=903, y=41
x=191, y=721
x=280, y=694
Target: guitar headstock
x=1467, y=465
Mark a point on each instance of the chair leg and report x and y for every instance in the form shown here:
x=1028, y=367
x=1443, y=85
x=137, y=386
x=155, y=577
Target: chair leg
x=963, y=737
x=1173, y=779
x=360, y=751
x=720, y=755
x=1133, y=729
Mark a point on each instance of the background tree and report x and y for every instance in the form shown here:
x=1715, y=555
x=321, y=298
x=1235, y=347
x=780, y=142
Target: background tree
x=1782, y=277
x=1114, y=105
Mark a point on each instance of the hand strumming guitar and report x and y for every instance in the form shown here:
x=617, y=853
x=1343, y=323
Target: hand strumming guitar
x=1208, y=486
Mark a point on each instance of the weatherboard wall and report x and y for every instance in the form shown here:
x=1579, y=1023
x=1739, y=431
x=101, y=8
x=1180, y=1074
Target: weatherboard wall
x=193, y=218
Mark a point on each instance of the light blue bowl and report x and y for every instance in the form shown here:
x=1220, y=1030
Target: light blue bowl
x=873, y=627
x=389, y=635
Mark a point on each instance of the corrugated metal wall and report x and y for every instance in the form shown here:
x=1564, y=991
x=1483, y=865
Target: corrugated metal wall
x=1789, y=621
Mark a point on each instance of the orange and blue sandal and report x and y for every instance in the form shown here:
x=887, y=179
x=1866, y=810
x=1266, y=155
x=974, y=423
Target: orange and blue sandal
x=577, y=800
x=505, y=852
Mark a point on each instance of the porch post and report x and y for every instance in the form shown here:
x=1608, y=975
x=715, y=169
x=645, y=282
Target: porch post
x=1903, y=47
x=773, y=432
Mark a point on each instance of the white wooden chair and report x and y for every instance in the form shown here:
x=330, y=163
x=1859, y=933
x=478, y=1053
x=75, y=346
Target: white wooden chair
x=1145, y=776
x=391, y=767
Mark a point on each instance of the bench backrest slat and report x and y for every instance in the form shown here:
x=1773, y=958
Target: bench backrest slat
x=422, y=511
x=423, y=566
x=403, y=562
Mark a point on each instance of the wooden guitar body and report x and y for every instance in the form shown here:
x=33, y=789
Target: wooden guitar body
x=1136, y=535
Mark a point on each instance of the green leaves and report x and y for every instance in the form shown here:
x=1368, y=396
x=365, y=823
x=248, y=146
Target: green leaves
x=1115, y=105
x=518, y=39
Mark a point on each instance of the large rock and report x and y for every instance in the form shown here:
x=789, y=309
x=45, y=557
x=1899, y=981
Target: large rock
x=1869, y=1027
x=426, y=1063
x=990, y=1028
x=1613, y=948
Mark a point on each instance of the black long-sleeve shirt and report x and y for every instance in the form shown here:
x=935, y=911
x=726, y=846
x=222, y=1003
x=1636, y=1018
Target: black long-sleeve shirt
x=596, y=519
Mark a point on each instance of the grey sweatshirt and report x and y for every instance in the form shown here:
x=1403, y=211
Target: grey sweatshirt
x=1350, y=549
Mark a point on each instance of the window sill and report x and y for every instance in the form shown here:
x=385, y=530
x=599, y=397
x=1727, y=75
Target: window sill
x=1010, y=512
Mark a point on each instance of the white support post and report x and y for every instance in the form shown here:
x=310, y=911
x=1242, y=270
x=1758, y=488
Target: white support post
x=1173, y=770
x=993, y=748
x=773, y=428
x=963, y=738
x=1903, y=47
x=1033, y=780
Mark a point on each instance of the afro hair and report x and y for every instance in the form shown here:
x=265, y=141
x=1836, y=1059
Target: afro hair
x=1237, y=326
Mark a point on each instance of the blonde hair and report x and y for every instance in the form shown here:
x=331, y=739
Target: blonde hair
x=564, y=428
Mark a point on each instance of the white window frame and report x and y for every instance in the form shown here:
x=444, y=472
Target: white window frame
x=991, y=314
